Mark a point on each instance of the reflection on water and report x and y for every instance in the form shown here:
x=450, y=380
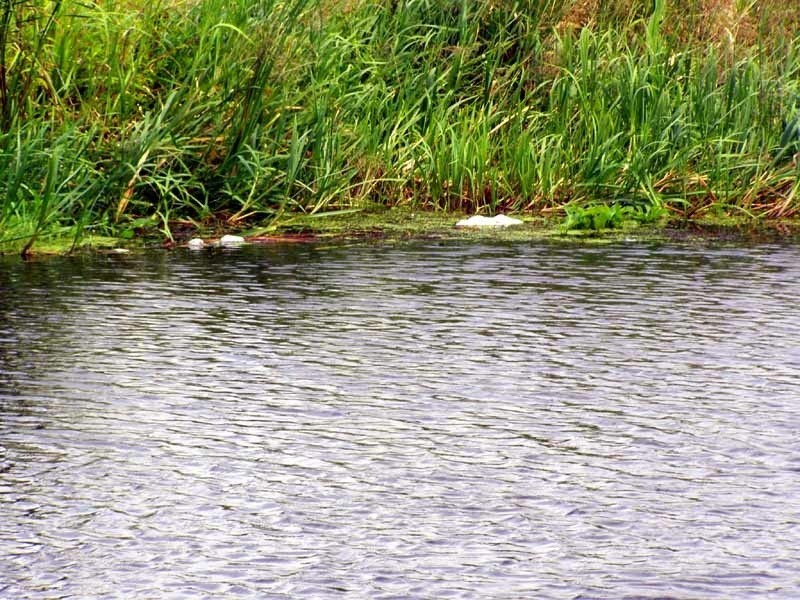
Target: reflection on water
x=411, y=421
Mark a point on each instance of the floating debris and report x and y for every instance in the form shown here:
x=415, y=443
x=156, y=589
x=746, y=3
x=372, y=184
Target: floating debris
x=479, y=221
x=231, y=240
x=196, y=244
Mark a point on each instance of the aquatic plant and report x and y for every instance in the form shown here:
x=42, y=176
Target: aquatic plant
x=600, y=216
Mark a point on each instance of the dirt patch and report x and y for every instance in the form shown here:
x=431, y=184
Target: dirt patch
x=688, y=22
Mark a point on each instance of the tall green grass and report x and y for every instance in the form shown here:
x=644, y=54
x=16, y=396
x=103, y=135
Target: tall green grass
x=165, y=112
x=120, y=116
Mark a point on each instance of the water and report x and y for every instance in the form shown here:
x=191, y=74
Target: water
x=412, y=421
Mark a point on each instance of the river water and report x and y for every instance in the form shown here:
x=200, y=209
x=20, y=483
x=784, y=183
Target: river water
x=417, y=420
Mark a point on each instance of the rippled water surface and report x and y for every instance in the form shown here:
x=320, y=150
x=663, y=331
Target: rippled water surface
x=438, y=420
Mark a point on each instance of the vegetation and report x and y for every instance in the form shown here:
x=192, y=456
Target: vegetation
x=122, y=117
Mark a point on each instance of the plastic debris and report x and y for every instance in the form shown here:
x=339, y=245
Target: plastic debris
x=231, y=240
x=479, y=221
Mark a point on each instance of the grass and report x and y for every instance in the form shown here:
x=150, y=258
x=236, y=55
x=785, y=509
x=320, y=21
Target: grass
x=129, y=118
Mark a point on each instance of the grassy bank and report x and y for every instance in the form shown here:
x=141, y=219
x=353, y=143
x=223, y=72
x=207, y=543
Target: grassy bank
x=125, y=118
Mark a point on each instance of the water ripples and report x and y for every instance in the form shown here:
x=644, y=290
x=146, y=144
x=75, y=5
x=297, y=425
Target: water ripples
x=412, y=421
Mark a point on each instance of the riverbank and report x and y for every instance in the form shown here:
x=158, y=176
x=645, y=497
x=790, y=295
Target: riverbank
x=379, y=224
x=139, y=120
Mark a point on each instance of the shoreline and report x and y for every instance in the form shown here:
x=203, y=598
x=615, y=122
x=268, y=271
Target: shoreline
x=405, y=224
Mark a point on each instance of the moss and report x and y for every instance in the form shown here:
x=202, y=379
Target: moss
x=66, y=244
x=373, y=219
x=380, y=222
x=388, y=224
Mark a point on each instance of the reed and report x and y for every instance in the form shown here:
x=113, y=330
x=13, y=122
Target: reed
x=119, y=115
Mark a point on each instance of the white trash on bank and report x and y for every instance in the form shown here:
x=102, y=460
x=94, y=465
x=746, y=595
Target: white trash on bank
x=196, y=244
x=231, y=240
x=479, y=221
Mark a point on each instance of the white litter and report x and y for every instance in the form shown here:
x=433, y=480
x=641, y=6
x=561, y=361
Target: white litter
x=479, y=221
x=231, y=240
x=196, y=244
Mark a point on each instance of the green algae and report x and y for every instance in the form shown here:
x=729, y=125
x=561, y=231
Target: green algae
x=378, y=223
